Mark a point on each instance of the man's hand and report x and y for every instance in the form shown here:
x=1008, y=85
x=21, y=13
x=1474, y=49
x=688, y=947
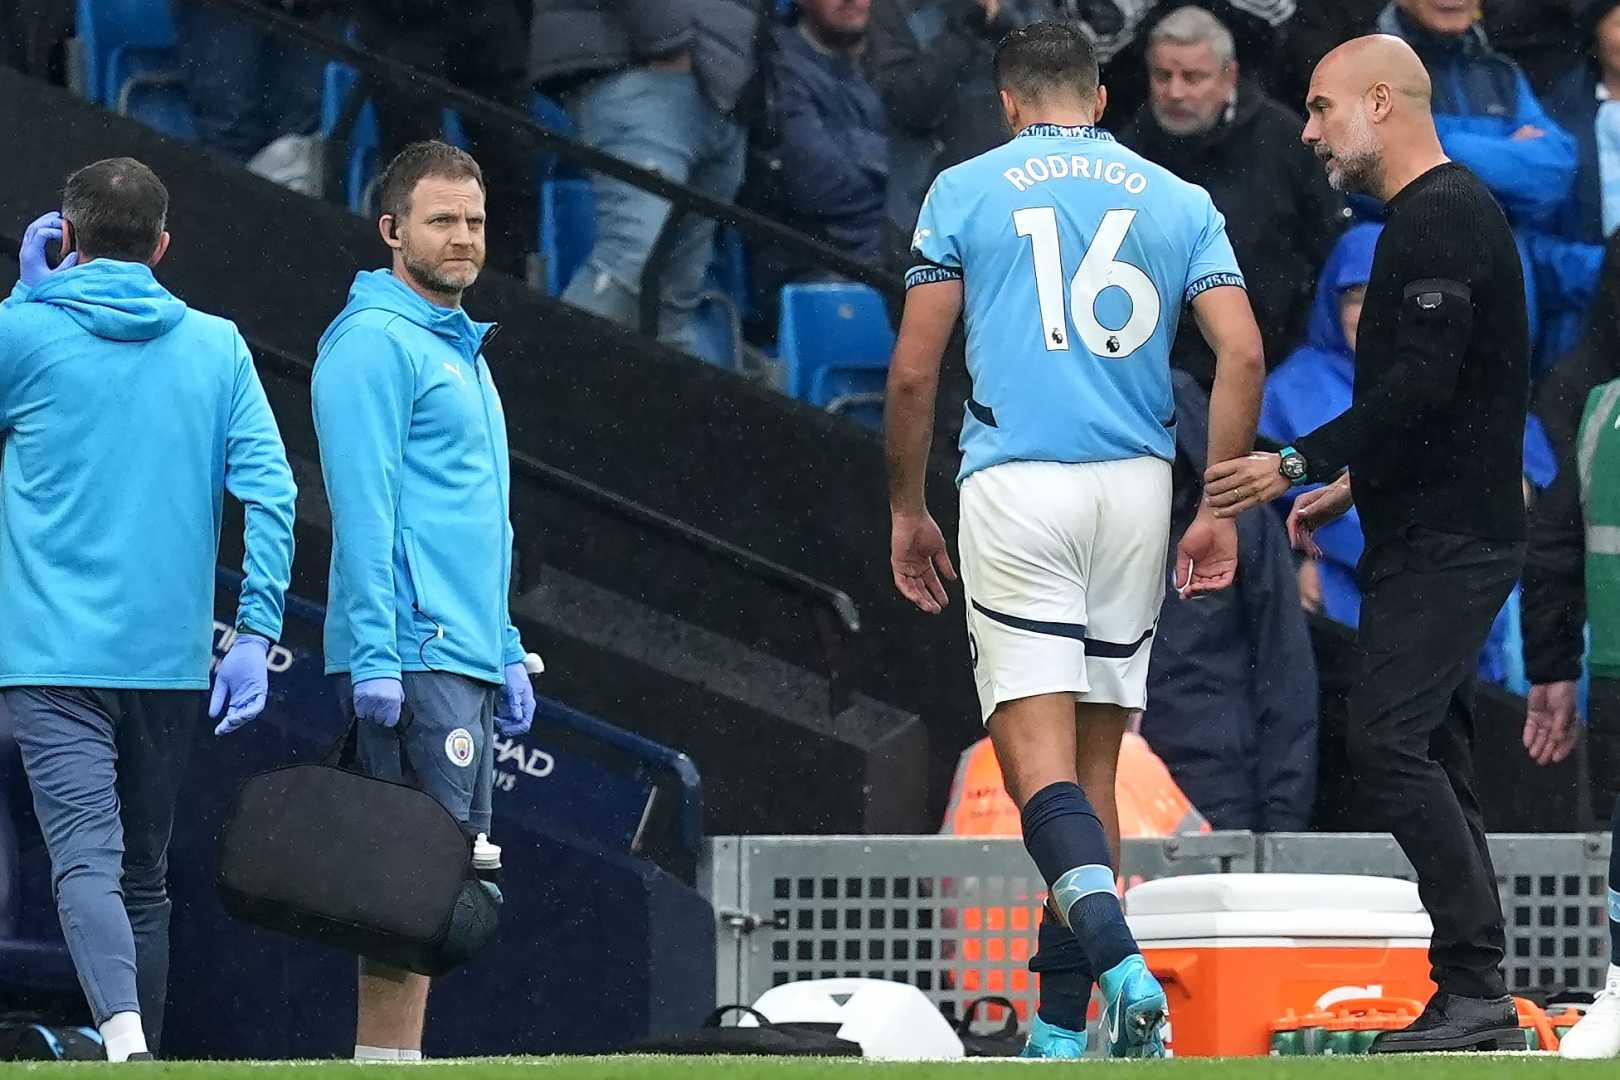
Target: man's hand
x=243, y=680
x=1528, y=131
x=379, y=701
x=1310, y=586
x=1243, y=483
x=514, y=708
x=1206, y=558
x=1550, y=730
x=33, y=266
x=1315, y=509
x=918, y=557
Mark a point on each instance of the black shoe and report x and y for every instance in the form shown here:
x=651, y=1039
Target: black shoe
x=1450, y=1022
x=144, y=1055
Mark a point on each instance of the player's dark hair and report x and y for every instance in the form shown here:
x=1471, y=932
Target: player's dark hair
x=1047, y=57
x=118, y=208
x=416, y=163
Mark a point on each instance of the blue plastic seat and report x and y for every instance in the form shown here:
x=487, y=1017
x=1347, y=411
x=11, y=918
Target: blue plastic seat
x=834, y=342
x=337, y=83
x=567, y=229
x=131, y=63
x=118, y=38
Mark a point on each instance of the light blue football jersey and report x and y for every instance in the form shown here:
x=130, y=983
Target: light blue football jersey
x=1076, y=256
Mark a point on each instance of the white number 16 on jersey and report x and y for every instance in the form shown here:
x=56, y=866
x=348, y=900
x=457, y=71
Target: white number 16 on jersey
x=1098, y=271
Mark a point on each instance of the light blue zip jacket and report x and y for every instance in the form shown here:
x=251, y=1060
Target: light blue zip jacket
x=413, y=449
x=125, y=417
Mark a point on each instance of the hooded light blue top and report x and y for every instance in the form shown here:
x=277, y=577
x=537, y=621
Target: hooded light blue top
x=126, y=416
x=413, y=449
x=1076, y=256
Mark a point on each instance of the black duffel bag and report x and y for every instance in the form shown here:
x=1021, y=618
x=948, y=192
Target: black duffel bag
x=372, y=867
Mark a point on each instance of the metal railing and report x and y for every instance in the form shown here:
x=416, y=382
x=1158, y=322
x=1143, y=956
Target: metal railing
x=684, y=200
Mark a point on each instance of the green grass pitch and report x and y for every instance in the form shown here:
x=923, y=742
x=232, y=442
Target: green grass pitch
x=1462, y=1067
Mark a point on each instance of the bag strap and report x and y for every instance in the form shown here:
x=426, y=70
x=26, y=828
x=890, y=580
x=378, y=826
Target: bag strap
x=719, y=1014
x=1009, y=1026
x=342, y=753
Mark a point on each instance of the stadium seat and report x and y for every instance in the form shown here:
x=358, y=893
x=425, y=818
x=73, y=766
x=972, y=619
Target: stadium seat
x=130, y=62
x=834, y=343
x=120, y=37
x=338, y=81
x=567, y=229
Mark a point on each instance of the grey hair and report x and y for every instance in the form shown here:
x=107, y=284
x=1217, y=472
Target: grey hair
x=1194, y=26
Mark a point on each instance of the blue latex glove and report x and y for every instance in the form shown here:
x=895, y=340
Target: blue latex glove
x=514, y=709
x=31, y=256
x=379, y=701
x=243, y=679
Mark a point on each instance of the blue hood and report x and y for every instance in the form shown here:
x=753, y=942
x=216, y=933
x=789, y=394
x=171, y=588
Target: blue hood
x=1349, y=265
x=115, y=301
x=381, y=290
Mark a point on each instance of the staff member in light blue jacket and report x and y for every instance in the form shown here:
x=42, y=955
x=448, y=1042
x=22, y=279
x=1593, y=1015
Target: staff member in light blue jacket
x=413, y=450
x=125, y=416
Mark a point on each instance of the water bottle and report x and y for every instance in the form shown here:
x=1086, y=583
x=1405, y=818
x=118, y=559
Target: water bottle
x=487, y=865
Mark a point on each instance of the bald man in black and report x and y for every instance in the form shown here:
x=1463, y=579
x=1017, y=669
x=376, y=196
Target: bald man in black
x=1432, y=448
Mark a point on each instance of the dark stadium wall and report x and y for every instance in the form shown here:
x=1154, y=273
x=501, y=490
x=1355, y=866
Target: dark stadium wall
x=737, y=460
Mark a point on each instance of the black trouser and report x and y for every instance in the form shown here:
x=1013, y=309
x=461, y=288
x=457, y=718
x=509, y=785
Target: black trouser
x=482, y=48
x=1428, y=601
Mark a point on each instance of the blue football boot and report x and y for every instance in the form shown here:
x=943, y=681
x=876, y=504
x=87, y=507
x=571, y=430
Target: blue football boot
x=1053, y=1043
x=1134, y=1010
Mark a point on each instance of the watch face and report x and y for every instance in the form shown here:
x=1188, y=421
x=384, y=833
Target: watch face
x=1293, y=467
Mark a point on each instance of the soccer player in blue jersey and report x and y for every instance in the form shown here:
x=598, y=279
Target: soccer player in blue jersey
x=1070, y=259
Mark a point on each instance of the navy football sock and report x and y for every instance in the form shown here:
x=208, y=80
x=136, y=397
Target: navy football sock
x=1614, y=886
x=1065, y=974
x=1066, y=839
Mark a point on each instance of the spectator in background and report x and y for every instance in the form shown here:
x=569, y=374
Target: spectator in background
x=1587, y=104
x=1486, y=113
x=933, y=61
x=1221, y=132
x=1232, y=684
x=821, y=158
x=1257, y=27
x=1316, y=29
x=479, y=47
x=1313, y=386
x=1541, y=35
x=657, y=83
x=1594, y=360
x=1490, y=120
x=248, y=88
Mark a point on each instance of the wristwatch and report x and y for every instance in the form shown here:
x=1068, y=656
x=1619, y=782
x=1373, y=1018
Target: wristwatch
x=1292, y=465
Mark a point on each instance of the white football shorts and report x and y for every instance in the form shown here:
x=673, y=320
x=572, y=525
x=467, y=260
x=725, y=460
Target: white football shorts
x=1064, y=569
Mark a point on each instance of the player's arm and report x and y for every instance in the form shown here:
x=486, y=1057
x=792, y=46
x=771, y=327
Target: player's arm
x=1207, y=556
x=917, y=550
x=1227, y=322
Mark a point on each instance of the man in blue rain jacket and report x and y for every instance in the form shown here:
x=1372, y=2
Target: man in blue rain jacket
x=413, y=451
x=125, y=416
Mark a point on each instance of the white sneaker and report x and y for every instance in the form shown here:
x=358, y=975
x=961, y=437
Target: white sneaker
x=1597, y=1036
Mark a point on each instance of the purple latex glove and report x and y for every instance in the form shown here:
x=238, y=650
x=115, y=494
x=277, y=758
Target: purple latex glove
x=514, y=709
x=379, y=701
x=243, y=679
x=34, y=267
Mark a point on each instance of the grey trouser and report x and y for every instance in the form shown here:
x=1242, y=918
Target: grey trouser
x=442, y=744
x=105, y=768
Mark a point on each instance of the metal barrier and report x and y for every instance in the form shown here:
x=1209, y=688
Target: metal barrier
x=957, y=916
x=1554, y=894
